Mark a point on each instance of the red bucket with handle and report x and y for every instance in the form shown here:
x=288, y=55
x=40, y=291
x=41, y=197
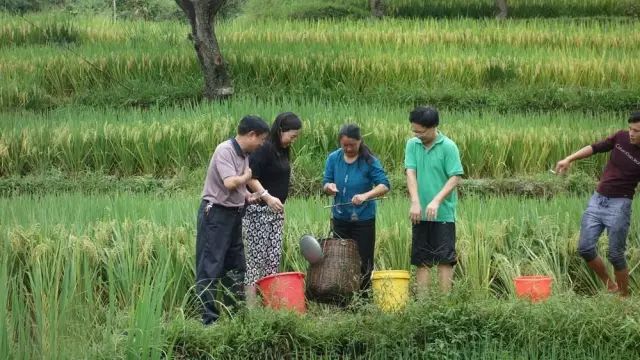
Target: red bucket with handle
x=533, y=287
x=283, y=291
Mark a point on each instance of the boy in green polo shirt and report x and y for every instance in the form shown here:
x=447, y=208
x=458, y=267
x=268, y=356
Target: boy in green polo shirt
x=433, y=166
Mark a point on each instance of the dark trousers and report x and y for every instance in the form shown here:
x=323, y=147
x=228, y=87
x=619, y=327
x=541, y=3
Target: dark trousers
x=364, y=234
x=219, y=256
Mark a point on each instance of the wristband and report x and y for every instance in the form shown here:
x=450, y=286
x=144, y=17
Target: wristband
x=263, y=193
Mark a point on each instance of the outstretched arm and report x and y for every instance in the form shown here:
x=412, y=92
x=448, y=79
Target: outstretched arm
x=563, y=165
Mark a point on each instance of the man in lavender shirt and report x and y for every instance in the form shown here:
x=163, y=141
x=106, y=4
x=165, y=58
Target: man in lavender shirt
x=610, y=205
x=219, y=247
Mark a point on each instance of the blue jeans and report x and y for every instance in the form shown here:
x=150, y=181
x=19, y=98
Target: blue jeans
x=612, y=214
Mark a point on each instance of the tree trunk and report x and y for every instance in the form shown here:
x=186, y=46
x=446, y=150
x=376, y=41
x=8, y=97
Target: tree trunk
x=503, y=8
x=201, y=15
x=377, y=8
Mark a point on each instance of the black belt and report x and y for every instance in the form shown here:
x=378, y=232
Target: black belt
x=222, y=207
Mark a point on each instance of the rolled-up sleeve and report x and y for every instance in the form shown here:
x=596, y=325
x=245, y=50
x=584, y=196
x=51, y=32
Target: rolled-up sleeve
x=378, y=175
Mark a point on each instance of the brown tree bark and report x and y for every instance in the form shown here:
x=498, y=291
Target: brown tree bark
x=503, y=8
x=201, y=15
x=377, y=8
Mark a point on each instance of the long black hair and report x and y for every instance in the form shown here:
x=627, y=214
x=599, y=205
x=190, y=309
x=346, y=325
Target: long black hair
x=284, y=122
x=352, y=131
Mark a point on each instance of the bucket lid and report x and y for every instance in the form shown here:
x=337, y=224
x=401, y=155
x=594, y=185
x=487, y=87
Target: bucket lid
x=393, y=274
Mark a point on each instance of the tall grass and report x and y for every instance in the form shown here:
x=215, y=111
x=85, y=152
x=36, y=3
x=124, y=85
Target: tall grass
x=574, y=35
x=4, y=301
x=74, y=289
x=165, y=142
x=458, y=327
x=497, y=237
x=460, y=63
x=314, y=9
x=103, y=275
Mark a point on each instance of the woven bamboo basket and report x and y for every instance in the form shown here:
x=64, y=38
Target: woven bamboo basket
x=337, y=277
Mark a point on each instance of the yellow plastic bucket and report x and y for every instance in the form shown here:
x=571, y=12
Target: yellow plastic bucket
x=390, y=289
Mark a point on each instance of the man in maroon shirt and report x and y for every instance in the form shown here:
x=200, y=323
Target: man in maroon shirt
x=610, y=206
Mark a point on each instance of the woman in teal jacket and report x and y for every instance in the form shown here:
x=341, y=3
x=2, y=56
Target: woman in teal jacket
x=354, y=176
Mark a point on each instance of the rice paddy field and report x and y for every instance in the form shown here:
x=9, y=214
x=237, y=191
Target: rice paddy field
x=104, y=143
x=587, y=65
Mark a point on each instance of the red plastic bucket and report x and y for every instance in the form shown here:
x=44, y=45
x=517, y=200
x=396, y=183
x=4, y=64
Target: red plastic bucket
x=283, y=291
x=533, y=287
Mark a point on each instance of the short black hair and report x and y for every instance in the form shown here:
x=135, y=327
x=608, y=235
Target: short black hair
x=634, y=117
x=426, y=116
x=253, y=123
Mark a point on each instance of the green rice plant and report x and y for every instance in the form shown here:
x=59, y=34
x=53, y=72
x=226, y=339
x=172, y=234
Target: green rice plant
x=166, y=142
x=475, y=328
x=144, y=335
x=539, y=64
x=313, y=9
x=497, y=239
x=477, y=259
x=393, y=244
x=48, y=295
x=122, y=266
x=4, y=300
x=79, y=282
x=51, y=285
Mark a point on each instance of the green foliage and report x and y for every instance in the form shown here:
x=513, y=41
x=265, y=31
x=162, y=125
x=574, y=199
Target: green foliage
x=111, y=276
x=310, y=9
x=21, y=6
x=315, y=9
x=514, y=235
x=4, y=297
x=461, y=64
x=164, y=142
x=97, y=202
x=147, y=9
x=306, y=9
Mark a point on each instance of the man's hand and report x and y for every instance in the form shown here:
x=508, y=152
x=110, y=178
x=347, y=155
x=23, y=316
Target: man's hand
x=331, y=189
x=247, y=175
x=562, y=166
x=253, y=198
x=432, y=210
x=359, y=199
x=415, y=213
x=274, y=203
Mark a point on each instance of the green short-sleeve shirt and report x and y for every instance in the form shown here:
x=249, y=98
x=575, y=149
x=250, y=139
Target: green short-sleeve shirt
x=434, y=166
